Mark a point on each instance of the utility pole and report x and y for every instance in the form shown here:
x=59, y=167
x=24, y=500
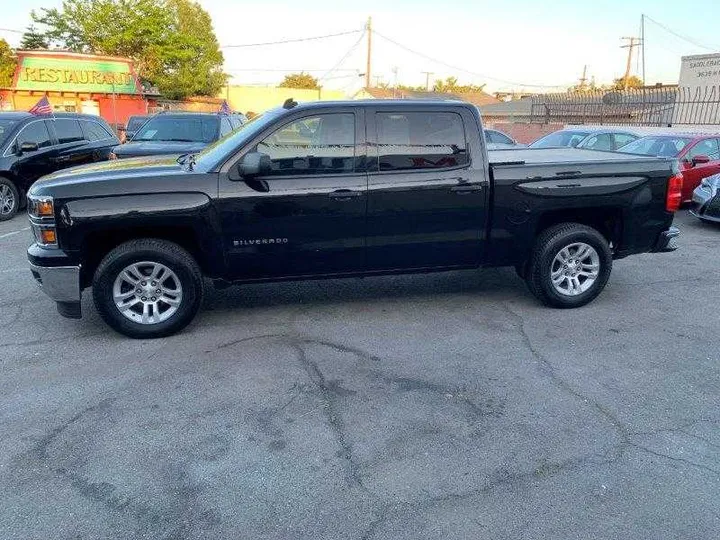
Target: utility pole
x=583, y=79
x=642, y=45
x=633, y=42
x=368, y=73
x=395, y=83
x=427, y=79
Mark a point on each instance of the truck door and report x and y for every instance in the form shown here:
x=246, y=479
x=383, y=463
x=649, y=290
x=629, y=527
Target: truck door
x=426, y=197
x=306, y=216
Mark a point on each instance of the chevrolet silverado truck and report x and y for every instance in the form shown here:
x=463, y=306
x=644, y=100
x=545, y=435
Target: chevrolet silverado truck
x=341, y=189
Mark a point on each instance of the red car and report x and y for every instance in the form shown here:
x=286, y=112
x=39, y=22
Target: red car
x=699, y=155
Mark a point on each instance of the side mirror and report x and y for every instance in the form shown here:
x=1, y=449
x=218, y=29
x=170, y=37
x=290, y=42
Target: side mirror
x=28, y=147
x=700, y=159
x=252, y=164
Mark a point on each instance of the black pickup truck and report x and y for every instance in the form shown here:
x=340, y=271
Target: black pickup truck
x=339, y=189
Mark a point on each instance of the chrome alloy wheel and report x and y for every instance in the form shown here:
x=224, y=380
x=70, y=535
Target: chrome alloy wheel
x=7, y=199
x=147, y=292
x=574, y=269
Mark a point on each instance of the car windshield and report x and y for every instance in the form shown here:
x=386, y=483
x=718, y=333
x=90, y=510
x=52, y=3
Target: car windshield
x=560, y=138
x=135, y=122
x=180, y=129
x=6, y=126
x=656, y=146
x=212, y=155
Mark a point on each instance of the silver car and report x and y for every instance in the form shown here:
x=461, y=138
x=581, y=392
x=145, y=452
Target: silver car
x=706, y=199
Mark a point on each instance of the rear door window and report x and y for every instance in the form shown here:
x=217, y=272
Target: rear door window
x=68, y=130
x=95, y=131
x=621, y=139
x=35, y=132
x=225, y=126
x=498, y=138
x=420, y=140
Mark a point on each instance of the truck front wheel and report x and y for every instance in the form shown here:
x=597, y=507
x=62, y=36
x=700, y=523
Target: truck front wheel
x=9, y=199
x=569, y=266
x=148, y=288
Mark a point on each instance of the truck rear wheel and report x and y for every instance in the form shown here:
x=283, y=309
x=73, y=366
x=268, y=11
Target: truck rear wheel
x=9, y=199
x=148, y=288
x=569, y=266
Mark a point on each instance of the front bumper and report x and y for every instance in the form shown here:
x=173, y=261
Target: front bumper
x=706, y=204
x=667, y=241
x=61, y=284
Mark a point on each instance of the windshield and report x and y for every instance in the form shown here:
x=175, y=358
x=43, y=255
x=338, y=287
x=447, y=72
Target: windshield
x=179, y=128
x=135, y=122
x=656, y=146
x=6, y=126
x=217, y=152
x=560, y=138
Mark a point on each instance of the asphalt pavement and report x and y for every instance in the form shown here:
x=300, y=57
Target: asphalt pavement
x=415, y=407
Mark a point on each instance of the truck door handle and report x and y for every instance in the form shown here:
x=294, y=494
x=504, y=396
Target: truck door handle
x=466, y=188
x=345, y=194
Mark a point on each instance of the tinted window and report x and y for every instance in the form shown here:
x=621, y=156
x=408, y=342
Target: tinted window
x=559, y=139
x=179, y=128
x=35, y=132
x=707, y=147
x=601, y=141
x=657, y=146
x=5, y=128
x=499, y=138
x=68, y=130
x=134, y=122
x=95, y=131
x=621, y=139
x=225, y=126
x=322, y=144
x=420, y=141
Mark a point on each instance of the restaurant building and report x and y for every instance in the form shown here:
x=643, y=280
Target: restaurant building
x=102, y=85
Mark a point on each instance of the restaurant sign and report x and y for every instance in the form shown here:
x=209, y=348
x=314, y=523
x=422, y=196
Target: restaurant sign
x=74, y=73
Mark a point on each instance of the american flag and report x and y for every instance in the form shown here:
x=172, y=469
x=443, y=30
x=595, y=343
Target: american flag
x=225, y=108
x=42, y=107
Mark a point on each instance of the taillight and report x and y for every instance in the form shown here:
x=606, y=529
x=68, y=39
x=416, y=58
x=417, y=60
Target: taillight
x=674, y=193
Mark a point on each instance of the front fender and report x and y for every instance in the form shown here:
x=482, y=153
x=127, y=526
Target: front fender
x=86, y=226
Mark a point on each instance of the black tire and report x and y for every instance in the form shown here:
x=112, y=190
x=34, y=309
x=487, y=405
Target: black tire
x=550, y=242
x=7, y=184
x=163, y=252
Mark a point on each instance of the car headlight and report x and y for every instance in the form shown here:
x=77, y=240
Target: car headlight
x=41, y=207
x=41, y=211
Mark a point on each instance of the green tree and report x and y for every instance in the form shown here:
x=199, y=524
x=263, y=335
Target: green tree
x=7, y=64
x=300, y=80
x=33, y=39
x=633, y=82
x=172, y=42
x=450, y=85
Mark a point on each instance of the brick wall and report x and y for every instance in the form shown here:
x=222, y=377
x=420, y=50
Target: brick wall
x=524, y=133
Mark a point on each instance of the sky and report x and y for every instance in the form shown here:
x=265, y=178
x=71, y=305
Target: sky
x=521, y=45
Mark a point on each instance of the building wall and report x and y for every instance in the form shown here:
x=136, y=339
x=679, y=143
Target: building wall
x=259, y=99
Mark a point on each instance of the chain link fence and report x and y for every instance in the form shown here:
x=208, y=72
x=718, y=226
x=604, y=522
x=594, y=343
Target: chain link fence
x=662, y=106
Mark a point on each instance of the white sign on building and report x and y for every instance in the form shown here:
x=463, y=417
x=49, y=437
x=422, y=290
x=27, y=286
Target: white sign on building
x=698, y=98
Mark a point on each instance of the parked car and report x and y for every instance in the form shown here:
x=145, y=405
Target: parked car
x=32, y=146
x=497, y=140
x=337, y=189
x=590, y=138
x=706, y=199
x=699, y=155
x=134, y=123
x=177, y=133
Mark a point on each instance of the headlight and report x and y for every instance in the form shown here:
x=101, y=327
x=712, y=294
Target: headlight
x=41, y=207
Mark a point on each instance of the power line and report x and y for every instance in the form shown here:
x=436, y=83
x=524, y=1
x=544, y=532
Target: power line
x=296, y=40
x=456, y=68
x=681, y=36
x=11, y=30
x=344, y=56
x=294, y=70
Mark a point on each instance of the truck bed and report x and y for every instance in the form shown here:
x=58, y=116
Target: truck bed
x=547, y=156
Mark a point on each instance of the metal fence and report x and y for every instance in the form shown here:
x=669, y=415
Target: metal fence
x=662, y=106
